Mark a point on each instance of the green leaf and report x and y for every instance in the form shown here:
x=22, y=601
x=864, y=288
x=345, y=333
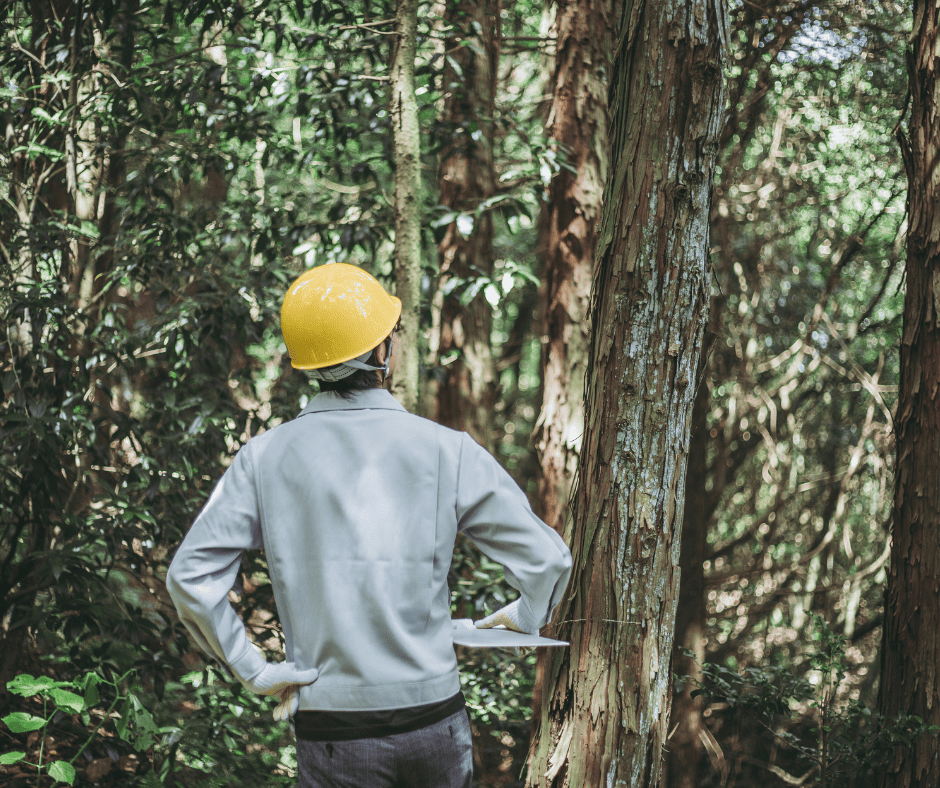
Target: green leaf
x=39, y=112
x=33, y=149
x=120, y=723
x=92, y=696
x=193, y=677
x=144, y=741
x=62, y=771
x=20, y=722
x=86, y=229
x=452, y=284
x=89, y=230
x=142, y=717
x=455, y=65
x=26, y=686
x=471, y=292
x=67, y=700
x=525, y=274
x=9, y=758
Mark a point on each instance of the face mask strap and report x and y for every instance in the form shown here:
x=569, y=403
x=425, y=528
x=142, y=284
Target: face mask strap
x=347, y=368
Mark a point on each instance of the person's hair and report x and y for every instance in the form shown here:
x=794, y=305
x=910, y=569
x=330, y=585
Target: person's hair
x=360, y=380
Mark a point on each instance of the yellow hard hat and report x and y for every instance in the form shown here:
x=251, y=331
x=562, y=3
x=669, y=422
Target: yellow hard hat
x=335, y=313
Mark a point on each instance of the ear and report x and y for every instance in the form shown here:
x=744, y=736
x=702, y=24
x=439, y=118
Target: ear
x=380, y=353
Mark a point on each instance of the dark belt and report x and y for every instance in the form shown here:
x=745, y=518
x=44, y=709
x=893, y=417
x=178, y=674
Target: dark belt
x=346, y=725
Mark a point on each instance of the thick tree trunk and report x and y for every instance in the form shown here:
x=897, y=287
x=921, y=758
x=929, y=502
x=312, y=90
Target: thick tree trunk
x=910, y=669
x=466, y=392
x=578, y=128
x=583, y=31
x=406, y=141
x=605, y=712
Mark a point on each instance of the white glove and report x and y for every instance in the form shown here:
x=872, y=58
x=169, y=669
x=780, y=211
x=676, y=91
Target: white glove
x=288, y=703
x=282, y=679
x=514, y=616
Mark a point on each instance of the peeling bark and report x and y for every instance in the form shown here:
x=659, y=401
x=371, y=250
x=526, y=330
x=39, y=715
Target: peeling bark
x=910, y=669
x=605, y=712
x=577, y=125
x=578, y=128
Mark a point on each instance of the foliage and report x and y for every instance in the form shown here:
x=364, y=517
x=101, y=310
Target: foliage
x=831, y=742
x=168, y=172
x=497, y=683
x=205, y=725
x=228, y=740
x=806, y=308
x=169, y=167
x=132, y=722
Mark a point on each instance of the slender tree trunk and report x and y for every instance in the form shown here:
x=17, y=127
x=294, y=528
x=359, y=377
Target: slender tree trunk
x=578, y=128
x=466, y=390
x=605, y=712
x=910, y=668
x=406, y=139
x=682, y=764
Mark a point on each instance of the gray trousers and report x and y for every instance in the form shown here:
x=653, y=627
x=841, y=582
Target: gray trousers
x=438, y=756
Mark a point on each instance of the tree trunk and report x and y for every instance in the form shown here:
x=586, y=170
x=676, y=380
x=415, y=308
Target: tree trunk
x=604, y=717
x=578, y=128
x=577, y=125
x=910, y=684
x=406, y=140
x=466, y=391
x=682, y=764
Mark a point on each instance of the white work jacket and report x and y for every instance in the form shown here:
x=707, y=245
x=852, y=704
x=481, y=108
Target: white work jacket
x=357, y=505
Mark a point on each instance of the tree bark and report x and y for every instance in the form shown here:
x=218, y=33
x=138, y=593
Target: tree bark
x=406, y=142
x=605, y=713
x=910, y=668
x=466, y=391
x=577, y=127
x=682, y=764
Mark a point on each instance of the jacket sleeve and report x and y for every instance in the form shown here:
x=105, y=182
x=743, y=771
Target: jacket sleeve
x=206, y=565
x=495, y=515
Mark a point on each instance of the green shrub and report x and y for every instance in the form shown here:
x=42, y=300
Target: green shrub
x=837, y=742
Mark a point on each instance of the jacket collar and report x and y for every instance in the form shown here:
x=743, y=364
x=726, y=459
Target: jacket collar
x=370, y=399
